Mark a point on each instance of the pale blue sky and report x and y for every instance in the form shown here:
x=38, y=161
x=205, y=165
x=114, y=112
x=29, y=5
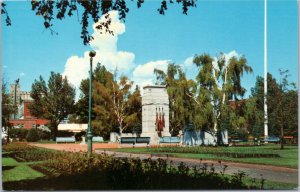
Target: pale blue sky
x=212, y=27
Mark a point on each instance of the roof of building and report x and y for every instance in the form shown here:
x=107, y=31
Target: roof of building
x=154, y=86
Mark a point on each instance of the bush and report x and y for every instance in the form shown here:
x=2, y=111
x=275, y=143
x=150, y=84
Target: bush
x=44, y=135
x=18, y=133
x=33, y=135
x=78, y=136
x=134, y=174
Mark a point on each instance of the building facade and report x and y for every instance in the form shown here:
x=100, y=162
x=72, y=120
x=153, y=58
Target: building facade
x=23, y=117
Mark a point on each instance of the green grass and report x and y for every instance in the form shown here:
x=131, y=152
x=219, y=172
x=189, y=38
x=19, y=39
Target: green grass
x=288, y=156
x=16, y=171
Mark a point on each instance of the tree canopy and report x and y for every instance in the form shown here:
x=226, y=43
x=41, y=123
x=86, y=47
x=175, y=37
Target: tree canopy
x=116, y=106
x=7, y=109
x=53, y=101
x=282, y=100
x=205, y=102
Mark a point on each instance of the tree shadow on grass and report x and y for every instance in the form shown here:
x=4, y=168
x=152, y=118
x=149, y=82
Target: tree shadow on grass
x=62, y=182
x=6, y=168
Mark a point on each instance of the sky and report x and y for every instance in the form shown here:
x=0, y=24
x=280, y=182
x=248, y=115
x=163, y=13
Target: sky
x=148, y=40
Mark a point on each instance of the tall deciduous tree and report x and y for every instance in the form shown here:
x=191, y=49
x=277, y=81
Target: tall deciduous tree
x=218, y=81
x=103, y=121
x=7, y=109
x=119, y=98
x=53, y=101
x=89, y=10
x=115, y=107
x=282, y=100
x=182, y=110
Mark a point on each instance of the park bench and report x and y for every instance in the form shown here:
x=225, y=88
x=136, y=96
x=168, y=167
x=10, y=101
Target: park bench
x=169, y=140
x=65, y=140
x=135, y=140
x=143, y=140
x=271, y=139
x=236, y=141
x=128, y=140
x=97, y=139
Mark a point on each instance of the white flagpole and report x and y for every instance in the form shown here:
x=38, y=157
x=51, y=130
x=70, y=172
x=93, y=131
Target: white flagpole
x=265, y=74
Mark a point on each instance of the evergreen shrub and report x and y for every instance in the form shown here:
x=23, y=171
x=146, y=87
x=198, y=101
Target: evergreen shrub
x=33, y=135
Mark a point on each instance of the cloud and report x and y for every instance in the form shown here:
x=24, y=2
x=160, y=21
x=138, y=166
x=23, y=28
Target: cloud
x=146, y=70
x=227, y=56
x=105, y=45
x=144, y=74
x=188, y=62
x=22, y=74
x=4, y=66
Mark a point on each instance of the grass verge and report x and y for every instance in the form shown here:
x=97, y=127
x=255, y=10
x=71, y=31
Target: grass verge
x=288, y=157
x=16, y=171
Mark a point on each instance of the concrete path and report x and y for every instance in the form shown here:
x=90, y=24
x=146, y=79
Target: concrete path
x=271, y=173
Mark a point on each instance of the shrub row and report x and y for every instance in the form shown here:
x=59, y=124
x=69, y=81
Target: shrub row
x=220, y=151
x=124, y=173
x=30, y=135
x=247, y=155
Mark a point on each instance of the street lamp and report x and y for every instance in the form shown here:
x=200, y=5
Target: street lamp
x=15, y=95
x=89, y=129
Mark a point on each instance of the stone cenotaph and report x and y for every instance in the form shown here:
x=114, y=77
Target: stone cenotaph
x=155, y=112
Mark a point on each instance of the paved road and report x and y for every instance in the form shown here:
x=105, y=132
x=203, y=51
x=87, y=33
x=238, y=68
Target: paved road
x=271, y=173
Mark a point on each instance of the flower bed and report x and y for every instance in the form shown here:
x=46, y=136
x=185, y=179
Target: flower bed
x=247, y=152
x=247, y=155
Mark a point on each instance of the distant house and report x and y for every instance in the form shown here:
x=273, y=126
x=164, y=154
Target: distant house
x=72, y=127
x=23, y=118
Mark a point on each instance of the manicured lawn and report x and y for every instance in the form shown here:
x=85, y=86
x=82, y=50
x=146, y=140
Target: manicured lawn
x=288, y=156
x=16, y=171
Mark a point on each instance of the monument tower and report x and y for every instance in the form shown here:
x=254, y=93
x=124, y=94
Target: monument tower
x=155, y=112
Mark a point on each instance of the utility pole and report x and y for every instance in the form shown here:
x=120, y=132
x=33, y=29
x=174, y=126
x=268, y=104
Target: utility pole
x=265, y=75
x=15, y=96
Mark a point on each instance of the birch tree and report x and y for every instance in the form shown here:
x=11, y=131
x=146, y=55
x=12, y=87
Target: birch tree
x=218, y=81
x=114, y=101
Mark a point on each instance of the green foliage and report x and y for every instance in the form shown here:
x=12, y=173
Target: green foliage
x=6, y=106
x=114, y=108
x=32, y=135
x=19, y=133
x=133, y=173
x=282, y=99
x=52, y=101
x=288, y=158
x=216, y=85
x=181, y=105
x=206, y=101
